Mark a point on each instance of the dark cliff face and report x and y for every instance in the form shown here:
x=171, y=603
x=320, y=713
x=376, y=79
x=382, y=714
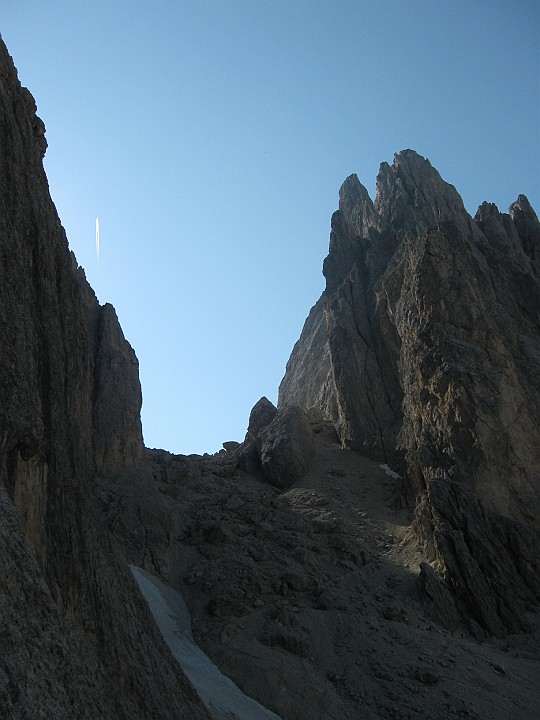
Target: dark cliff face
x=69, y=411
x=429, y=337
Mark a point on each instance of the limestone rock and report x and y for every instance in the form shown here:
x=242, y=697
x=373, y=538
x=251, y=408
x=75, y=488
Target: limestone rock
x=308, y=380
x=423, y=352
x=261, y=415
x=39, y=639
x=117, y=397
x=306, y=597
x=526, y=223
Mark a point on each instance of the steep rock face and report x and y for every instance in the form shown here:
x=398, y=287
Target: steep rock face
x=116, y=392
x=261, y=415
x=69, y=406
x=489, y=560
x=116, y=398
x=429, y=334
x=309, y=381
x=36, y=639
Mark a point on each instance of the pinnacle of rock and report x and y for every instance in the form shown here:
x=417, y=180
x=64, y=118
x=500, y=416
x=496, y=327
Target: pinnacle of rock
x=357, y=207
x=429, y=342
x=412, y=197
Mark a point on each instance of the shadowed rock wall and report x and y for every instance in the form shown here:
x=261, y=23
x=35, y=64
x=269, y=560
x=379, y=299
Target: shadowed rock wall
x=69, y=408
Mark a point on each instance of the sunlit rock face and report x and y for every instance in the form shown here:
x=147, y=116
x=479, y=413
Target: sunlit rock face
x=69, y=411
x=425, y=346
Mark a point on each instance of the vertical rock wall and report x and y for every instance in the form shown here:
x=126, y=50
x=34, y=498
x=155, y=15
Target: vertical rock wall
x=69, y=408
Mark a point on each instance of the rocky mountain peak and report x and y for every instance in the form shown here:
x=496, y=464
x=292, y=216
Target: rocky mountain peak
x=30, y=127
x=528, y=227
x=412, y=197
x=485, y=211
x=429, y=360
x=523, y=205
x=356, y=207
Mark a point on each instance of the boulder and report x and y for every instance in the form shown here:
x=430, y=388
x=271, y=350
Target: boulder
x=285, y=447
x=261, y=415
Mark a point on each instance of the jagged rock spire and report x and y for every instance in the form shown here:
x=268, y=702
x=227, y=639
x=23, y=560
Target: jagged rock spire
x=429, y=356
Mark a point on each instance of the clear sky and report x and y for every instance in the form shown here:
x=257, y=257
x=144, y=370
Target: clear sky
x=211, y=138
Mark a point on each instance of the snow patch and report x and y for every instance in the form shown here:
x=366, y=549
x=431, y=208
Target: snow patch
x=223, y=699
x=392, y=473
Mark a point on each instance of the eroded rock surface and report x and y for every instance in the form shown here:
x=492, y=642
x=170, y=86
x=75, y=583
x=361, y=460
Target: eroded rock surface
x=429, y=340
x=490, y=561
x=428, y=334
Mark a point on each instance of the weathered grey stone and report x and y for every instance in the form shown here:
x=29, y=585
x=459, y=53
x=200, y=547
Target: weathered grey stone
x=117, y=398
x=302, y=596
x=261, y=415
x=308, y=380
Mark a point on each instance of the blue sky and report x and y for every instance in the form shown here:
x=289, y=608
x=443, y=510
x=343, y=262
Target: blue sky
x=211, y=139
